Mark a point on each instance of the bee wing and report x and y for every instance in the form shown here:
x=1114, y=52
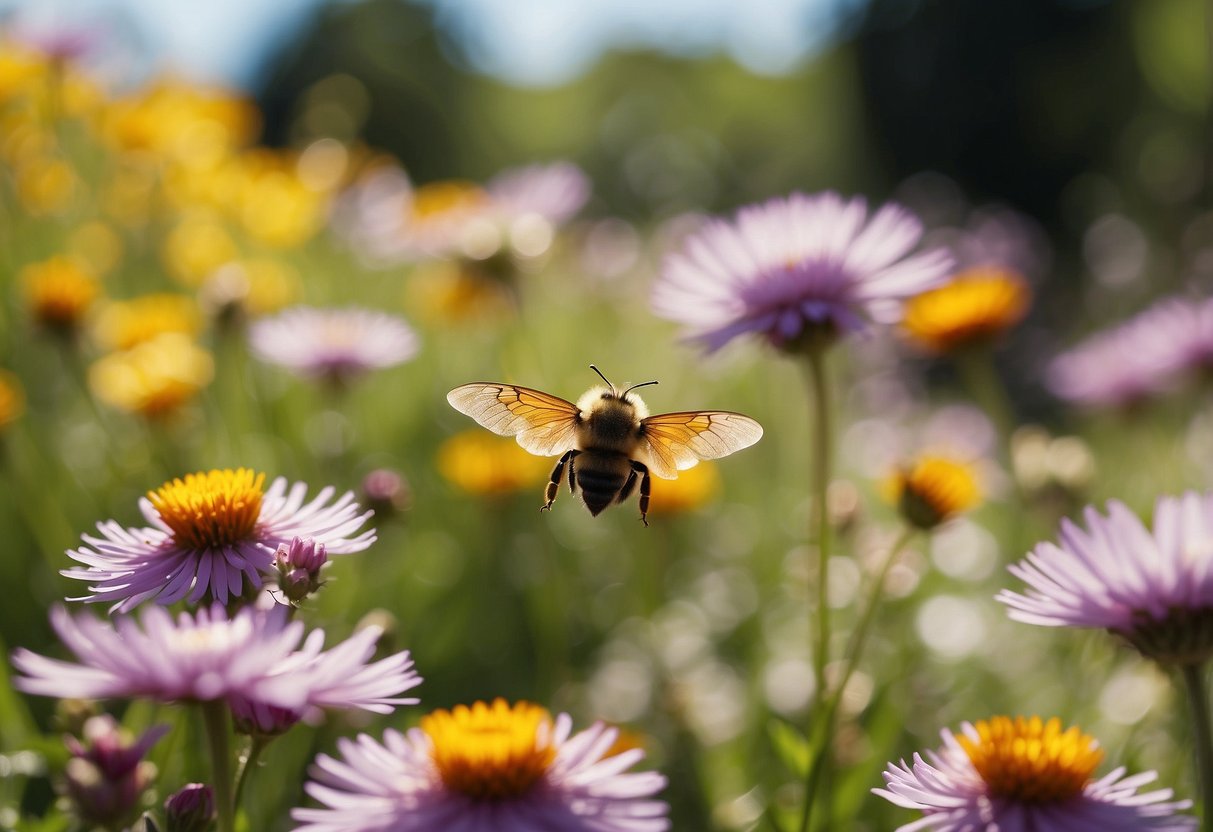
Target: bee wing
x=544, y=425
x=676, y=441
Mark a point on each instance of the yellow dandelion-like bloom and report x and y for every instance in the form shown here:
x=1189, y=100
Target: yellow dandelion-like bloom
x=195, y=248
x=22, y=70
x=934, y=489
x=976, y=307
x=445, y=199
x=59, y=292
x=273, y=204
x=454, y=292
x=180, y=121
x=12, y=398
x=484, y=464
x=155, y=378
x=693, y=488
x=121, y=325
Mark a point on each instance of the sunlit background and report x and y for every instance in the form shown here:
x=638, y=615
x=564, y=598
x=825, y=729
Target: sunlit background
x=248, y=155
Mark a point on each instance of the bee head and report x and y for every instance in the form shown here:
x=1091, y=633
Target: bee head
x=613, y=393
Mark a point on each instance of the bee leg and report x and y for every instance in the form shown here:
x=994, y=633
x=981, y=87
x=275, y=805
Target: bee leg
x=626, y=491
x=549, y=493
x=645, y=487
x=572, y=472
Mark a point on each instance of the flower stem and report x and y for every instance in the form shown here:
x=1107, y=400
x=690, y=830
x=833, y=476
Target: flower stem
x=819, y=630
x=1202, y=729
x=248, y=761
x=822, y=733
x=985, y=385
x=215, y=716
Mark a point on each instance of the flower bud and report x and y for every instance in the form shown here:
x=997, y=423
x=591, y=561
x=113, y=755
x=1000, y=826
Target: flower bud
x=386, y=492
x=190, y=809
x=298, y=564
x=106, y=773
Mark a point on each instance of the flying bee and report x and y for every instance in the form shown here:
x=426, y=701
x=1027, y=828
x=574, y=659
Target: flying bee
x=608, y=440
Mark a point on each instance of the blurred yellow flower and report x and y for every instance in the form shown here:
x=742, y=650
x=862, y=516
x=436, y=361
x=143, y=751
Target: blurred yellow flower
x=196, y=247
x=21, y=71
x=449, y=292
x=976, y=307
x=129, y=194
x=180, y=121
x=933, y=489
x=124, y=324
x=97, y=244
x=12, y=398
x=45, y=185
x=59, y=291
x=485, y=464
x=445, y=199
x=153, y=379
x=277, y=209
x=694, y=487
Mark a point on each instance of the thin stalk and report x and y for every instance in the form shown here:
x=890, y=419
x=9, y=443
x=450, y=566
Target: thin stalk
x=215, y=716
x=248, y=761
x=822, y=732
x=1198, y=702
x=985, y=385
x=819, y=630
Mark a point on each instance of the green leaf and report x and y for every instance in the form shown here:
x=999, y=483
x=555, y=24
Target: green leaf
x=790, y=746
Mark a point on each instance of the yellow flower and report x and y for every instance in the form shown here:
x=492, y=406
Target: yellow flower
x=975, y=308
x=196, y=247
x=59, y=292
x=445, y=200
x=694, y=487
x=273, y=204
x=179, y=121
x=22, y=71
x=934, y=489
x=124, y=324
x=452, y=292
x=12, y=398
x=485, y=464
x=155, y=378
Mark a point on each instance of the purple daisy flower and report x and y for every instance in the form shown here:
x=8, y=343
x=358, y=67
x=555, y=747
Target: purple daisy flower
x=795, y=267
x=1005, y=775
x=1142, y=357
x=508, y=769
x=212, y=535
x=335, y=344
x=255, y=661
x=1154, y=589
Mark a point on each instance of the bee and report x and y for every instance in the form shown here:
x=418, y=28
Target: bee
x=607, y=440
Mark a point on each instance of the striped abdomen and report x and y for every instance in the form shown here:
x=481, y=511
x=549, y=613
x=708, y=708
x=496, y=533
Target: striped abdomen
x=601, y=475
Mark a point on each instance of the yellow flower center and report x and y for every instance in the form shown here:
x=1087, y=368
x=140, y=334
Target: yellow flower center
x=212, y=509
x=1032, y=761
x=978, y=305
x=491, y=752
x=935, y=489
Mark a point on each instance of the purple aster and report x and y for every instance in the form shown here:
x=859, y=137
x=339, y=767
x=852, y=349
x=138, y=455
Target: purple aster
x=796, y=267
x=1155, y=589
x=554, y=191
x=212, y=535
x=335, y=344
x=1026, y=775
x=488, y=767
x=255, y=661
x=1138, y=359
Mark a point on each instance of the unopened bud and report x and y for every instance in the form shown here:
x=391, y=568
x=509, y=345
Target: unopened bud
x=106, y=773
x=298, y=564
x=190, y=809
x=386, y=493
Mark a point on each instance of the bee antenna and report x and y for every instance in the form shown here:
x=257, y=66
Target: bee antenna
x=604, y=378
x=634, y=386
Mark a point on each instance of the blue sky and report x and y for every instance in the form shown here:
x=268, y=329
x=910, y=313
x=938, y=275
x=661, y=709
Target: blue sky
x=537, y=42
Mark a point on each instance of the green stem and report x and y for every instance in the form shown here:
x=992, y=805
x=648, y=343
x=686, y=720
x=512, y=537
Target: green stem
x=1198, y=702
x=985, y=385
x=823, y=736
x=248, y=761
x=820, y=402
x=217, y=731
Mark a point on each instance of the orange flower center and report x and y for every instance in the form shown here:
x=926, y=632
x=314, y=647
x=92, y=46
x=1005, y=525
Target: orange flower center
x=213, y=509
x=1032, y=761
x=491, y=752
x=935, y=489
x=978, y=305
